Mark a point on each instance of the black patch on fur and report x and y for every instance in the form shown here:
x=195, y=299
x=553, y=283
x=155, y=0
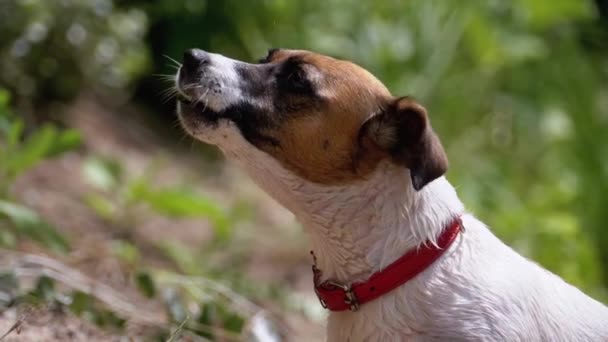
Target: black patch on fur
x=254, y=79
x=285, y=84
x=294, y=92
x=292, y=78
x=250, y=121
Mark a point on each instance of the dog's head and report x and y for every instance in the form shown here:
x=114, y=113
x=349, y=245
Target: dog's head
x=327, y=121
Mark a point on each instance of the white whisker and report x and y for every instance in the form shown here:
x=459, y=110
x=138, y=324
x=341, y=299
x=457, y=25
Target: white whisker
x=202, y=97
x=168, y=94
x=164, y=77
x=173, y=60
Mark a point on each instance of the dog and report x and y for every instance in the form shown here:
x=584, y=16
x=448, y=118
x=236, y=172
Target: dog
x=363, y=171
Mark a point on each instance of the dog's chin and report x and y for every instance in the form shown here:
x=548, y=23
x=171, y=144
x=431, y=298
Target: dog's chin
x=197, y=119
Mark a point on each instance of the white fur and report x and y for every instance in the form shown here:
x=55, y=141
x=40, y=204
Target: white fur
x=219, y=86
x=479, y=290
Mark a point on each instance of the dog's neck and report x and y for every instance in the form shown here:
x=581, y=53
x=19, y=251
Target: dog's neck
x=359, y=228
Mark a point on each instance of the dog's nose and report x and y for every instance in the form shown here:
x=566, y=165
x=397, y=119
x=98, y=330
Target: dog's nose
x=194, y=58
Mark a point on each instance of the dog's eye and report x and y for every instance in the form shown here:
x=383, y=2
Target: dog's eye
x=297, y=78
x=293, y=77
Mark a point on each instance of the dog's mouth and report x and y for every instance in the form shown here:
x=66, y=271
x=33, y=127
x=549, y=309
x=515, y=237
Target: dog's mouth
x=186, y=93
x=198, y=110
x=196, y=97
x=191, y=103
x=196, y=116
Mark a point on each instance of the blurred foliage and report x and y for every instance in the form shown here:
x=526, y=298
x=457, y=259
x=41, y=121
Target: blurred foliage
x=45, y=293
x=52, y=50
x=192, y=302
x=195, y=307
x=518, y=91
x=118, y=196
x=18, y=153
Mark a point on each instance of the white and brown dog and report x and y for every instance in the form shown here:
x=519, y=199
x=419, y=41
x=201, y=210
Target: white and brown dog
x=363, y=172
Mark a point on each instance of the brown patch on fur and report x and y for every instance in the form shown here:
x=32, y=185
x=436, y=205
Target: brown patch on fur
x=350, y=96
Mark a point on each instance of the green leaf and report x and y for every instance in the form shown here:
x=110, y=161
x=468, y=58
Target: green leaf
x=145, y=283
x=85, y=306
x=233, y=322
x=45, y=289
x=178, y=202
x=103, y=174
x=207, y=317
x=207, y=314
x=181, y=203
x=539, y=15
x=15, y=132
x=5, y=98
x=19, y=154
x=102, y=207
x=46, y=235
x=67, y=140
x=29, y=224
x=107, y=318
x=183, y=256
x=9, y=287
x=32, y=150
x=126, y=251
x=18, y=214
x=81, y=302
x=7, y=239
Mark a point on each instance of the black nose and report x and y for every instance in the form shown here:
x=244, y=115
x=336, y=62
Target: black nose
x=194, y=58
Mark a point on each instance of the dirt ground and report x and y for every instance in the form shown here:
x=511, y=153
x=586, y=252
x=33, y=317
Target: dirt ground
x=55, y=188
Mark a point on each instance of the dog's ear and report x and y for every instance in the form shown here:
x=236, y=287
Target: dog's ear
x=402, y=130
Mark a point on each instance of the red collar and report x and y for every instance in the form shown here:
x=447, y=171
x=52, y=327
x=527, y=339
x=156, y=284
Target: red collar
x=340, y=297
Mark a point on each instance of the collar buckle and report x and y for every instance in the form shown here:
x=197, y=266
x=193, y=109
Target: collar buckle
x=350, y=298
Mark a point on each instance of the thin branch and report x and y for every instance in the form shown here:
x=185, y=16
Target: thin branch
x=18, y=323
